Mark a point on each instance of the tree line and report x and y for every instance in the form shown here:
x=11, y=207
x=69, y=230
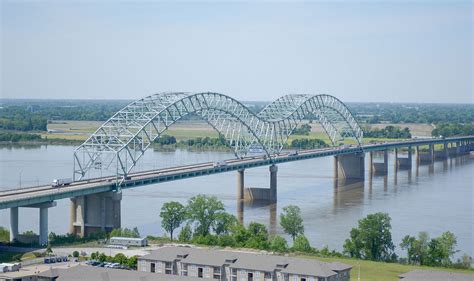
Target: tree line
x=389, y=132
x=451, y=130
x=203, y=220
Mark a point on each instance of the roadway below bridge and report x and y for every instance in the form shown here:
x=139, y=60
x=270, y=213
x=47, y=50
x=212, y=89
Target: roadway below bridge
x=95, y=203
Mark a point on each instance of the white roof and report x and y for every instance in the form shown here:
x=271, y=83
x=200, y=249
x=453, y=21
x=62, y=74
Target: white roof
x=128, y=238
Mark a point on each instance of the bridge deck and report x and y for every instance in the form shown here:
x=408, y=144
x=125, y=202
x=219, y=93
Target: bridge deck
x=42, y=194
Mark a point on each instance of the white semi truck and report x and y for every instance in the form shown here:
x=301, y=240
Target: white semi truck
x=61, y=182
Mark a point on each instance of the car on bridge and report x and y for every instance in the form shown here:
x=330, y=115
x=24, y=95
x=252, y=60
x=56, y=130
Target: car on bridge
x=218, y=164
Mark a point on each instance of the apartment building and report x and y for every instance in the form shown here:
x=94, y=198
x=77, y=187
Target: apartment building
x=239, y=266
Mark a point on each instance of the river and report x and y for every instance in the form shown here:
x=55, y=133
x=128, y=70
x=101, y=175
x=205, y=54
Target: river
x=434, y=198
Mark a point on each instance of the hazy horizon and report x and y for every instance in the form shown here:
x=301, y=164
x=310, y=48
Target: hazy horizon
x=385, y=51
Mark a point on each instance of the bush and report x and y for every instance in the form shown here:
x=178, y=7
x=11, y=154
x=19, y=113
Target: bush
x=125, y=232
x=209, y=240
x=186, y=234
x=278, y=244
x=75, y=254
x=227, y=240
x=301, y=244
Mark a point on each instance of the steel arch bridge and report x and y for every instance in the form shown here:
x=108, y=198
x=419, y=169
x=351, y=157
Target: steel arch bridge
x=120, y=142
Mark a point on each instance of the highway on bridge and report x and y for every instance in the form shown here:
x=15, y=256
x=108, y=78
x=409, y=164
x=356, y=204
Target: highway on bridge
x=42, y=194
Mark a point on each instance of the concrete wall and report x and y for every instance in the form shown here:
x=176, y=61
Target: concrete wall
x=94, y=213
x=256, y=193
x=349, y=166
x=145, y=266
x=207, y=271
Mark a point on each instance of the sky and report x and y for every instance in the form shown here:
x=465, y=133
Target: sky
x=375, y=51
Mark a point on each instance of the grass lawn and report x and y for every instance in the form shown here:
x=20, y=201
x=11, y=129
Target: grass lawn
x=378, y=271
x=8, y=256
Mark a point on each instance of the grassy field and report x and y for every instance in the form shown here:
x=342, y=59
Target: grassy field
x=378, y=271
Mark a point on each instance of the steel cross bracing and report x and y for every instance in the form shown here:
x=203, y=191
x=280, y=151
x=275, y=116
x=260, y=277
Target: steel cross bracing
x=120, y=142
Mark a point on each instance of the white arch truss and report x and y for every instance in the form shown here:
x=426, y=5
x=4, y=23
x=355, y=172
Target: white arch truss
x=125, y=137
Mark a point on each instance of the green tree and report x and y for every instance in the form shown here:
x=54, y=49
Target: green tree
x=372, y=239
x=226, y=240
x=258, y=238
x=125, y=232
x=417, y=249
x=441, y=249
x=120, y=258
x=95, y=256
x=291, y=221
x=278, y=244
x=102, y=257
x=186, y=234
x=4, y=234
x=132, y=262
x=301, y=244
x=241, y=234
x=203, y=210
x=172, y=215
x=49, y=250
x=75, y=254
x=224, y=223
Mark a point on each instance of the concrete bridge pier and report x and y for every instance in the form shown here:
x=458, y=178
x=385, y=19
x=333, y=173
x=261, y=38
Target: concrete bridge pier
x=94, y=213
x=424, y=158
x=443, y=154
x=257, y=193
x=403, y=162
x=349, y=167
x=377, y=167
x=273, y=182
x=13, y=224
x=240, y=184
x=43, y=222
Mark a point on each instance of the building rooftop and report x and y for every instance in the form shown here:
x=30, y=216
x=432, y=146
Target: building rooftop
x=246, y=260
x=433, y=275
x=309, y=267
x=91, y=273
x=128, y=238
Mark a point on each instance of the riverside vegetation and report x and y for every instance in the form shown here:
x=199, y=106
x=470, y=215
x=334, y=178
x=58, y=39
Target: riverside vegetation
x=204, y=221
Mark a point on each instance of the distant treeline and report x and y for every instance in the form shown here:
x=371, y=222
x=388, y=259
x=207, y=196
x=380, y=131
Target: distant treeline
x=101, y=110
x=207, y=142
x=389, y=132
x=450, y=130
x=18, y=137
x=374, y=113
x=17, y=118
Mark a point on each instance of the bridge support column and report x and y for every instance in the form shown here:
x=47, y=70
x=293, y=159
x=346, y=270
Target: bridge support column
x=43, y=225
x=240, y=184
x=95, y=212
x=425, y=157
x=379, y=168
x=402, y=162
x=13, y=224
x=350, y=166
x=443, y=154
x=273, y=182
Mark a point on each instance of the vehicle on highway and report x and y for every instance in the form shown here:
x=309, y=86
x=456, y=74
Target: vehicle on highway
x=219, y=164
x=61, y=182
x=293, y=153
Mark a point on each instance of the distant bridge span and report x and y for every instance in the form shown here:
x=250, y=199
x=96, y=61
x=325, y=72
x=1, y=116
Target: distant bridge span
x=120, y=142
